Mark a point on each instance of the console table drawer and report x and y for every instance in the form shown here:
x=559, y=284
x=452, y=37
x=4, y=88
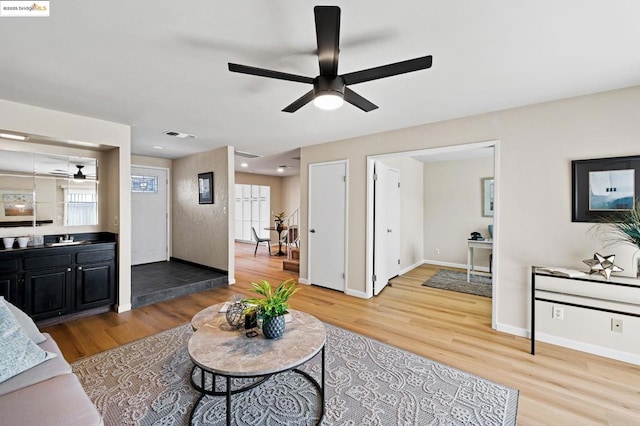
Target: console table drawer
x=8, y=266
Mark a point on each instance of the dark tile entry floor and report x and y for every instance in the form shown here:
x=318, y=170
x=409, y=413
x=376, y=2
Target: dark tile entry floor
x=157, y=282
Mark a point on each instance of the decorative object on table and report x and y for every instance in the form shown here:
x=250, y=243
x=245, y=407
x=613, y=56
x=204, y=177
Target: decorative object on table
x=235, y=313
x=476, y=236
x=623, y=227
x=279, y=219
x=603, y=265
x=604, y=186
x=487, y=197
x=205, y=188
x=272, y=306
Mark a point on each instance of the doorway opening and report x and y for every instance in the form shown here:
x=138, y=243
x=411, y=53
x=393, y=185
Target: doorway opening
x=412, y=260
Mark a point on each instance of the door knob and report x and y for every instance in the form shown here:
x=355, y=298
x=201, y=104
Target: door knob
x=313, y=231
x=388, y=230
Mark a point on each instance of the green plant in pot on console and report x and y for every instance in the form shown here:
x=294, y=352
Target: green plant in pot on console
x=623, y=227
x=272, y=306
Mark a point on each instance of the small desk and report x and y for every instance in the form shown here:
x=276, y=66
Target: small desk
x=279, y=231
x=476, y=244
x=218, y=350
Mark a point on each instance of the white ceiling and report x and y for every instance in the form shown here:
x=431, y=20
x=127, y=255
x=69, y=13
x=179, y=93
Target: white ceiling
x=161, y=66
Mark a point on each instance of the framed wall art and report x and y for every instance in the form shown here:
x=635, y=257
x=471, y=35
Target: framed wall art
x=205, y=188
x=603, y=186
x=487, y=197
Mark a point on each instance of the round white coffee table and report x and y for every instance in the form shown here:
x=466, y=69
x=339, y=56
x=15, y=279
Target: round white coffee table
x=219, y=350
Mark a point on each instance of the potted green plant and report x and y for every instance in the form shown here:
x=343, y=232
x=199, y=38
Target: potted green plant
x=279, y=219
x=623, y=227
x=271, y=306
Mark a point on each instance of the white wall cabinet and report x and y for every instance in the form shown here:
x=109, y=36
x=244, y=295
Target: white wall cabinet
x=253, y=209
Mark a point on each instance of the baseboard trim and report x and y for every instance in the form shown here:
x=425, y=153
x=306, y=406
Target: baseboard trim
x=509, y=329
x=356, y=293
x=303, y=281
x=589, y=348
x=123, y=307
x=453, y=265
x=409, y=268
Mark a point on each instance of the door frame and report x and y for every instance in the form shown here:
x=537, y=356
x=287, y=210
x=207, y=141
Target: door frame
x=369, y=240
x=346, y=221
x=168, y=207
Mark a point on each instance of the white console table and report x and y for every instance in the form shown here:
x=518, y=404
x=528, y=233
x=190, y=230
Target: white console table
x=590, y=308
x=476, y=244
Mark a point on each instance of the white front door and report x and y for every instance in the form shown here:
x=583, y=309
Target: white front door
x=327, y=224
x=386, y=257
x=149, y=216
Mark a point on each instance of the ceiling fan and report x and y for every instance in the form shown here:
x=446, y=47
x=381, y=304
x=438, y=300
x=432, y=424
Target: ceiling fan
x=330, y=89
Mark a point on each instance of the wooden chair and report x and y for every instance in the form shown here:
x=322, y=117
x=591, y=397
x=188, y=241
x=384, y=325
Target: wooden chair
x=260, y=240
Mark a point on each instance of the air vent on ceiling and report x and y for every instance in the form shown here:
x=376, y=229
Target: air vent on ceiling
x=247, y=154
x=179, y=135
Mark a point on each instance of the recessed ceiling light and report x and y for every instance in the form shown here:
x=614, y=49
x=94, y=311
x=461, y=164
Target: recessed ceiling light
x=158, y=147
x=12, y=136
x=244, y=165
x=280, y=169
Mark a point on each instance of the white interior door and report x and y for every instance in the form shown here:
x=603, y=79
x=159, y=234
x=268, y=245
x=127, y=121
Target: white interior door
x=149, y=215
x=386, y=256
x=327, y=224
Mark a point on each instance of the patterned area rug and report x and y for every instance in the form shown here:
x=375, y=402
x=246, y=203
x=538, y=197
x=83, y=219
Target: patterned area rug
x=367, y=383
x=457, y=281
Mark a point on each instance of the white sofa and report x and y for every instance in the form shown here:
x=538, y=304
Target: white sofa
x=46, y=394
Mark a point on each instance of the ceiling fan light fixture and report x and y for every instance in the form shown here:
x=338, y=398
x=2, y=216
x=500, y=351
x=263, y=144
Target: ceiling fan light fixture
x=79, y=175
x=328, y=101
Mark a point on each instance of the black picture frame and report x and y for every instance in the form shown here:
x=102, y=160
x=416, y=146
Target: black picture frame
x=581, y=197
x=205, y=188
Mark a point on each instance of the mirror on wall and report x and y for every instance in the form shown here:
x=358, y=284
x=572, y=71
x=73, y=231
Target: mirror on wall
x=39, y=189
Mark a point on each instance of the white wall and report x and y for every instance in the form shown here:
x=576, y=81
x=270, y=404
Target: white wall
x=453, y=209
x=537, y=144
x=201, y=231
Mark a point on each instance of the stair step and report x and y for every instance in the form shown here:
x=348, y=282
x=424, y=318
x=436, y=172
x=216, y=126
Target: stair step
x=295, y=253
x=291, y=265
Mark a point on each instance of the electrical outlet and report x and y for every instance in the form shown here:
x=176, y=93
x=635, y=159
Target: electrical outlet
x=437, y=251
x=116, y=222
x=616, y=325
x=557, y=312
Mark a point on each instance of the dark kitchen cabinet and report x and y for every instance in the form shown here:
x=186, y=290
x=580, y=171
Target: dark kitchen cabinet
x=49, y=282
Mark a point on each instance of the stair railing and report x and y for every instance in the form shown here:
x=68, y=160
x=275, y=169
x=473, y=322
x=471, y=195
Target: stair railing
x=292, y=236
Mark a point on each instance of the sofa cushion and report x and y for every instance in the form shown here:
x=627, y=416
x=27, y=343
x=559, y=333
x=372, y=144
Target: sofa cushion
x=17, y=351
x=59, y=401
x=44, y=371
x=27, y=324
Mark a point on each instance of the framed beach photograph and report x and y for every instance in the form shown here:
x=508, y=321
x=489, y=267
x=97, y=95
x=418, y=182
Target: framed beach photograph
x=205, y=188
x=604, y=186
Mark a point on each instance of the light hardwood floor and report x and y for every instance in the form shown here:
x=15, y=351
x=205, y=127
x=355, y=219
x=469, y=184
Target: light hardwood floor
x=557, y=386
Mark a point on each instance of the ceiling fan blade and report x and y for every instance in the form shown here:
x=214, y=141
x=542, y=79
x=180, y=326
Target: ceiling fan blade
x=300, y=102
x=388, y=70
x=354, y=99
x=261, y=72
x=328, y=37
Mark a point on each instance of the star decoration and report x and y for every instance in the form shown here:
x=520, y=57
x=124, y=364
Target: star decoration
x=603, y=265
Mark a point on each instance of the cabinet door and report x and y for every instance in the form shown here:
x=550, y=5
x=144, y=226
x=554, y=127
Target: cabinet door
x=9, y=281
x=48, y=293
x=8, y=286
x=95, y=286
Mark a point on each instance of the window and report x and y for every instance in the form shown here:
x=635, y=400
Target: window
x=148, y=184
x=81, y=206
